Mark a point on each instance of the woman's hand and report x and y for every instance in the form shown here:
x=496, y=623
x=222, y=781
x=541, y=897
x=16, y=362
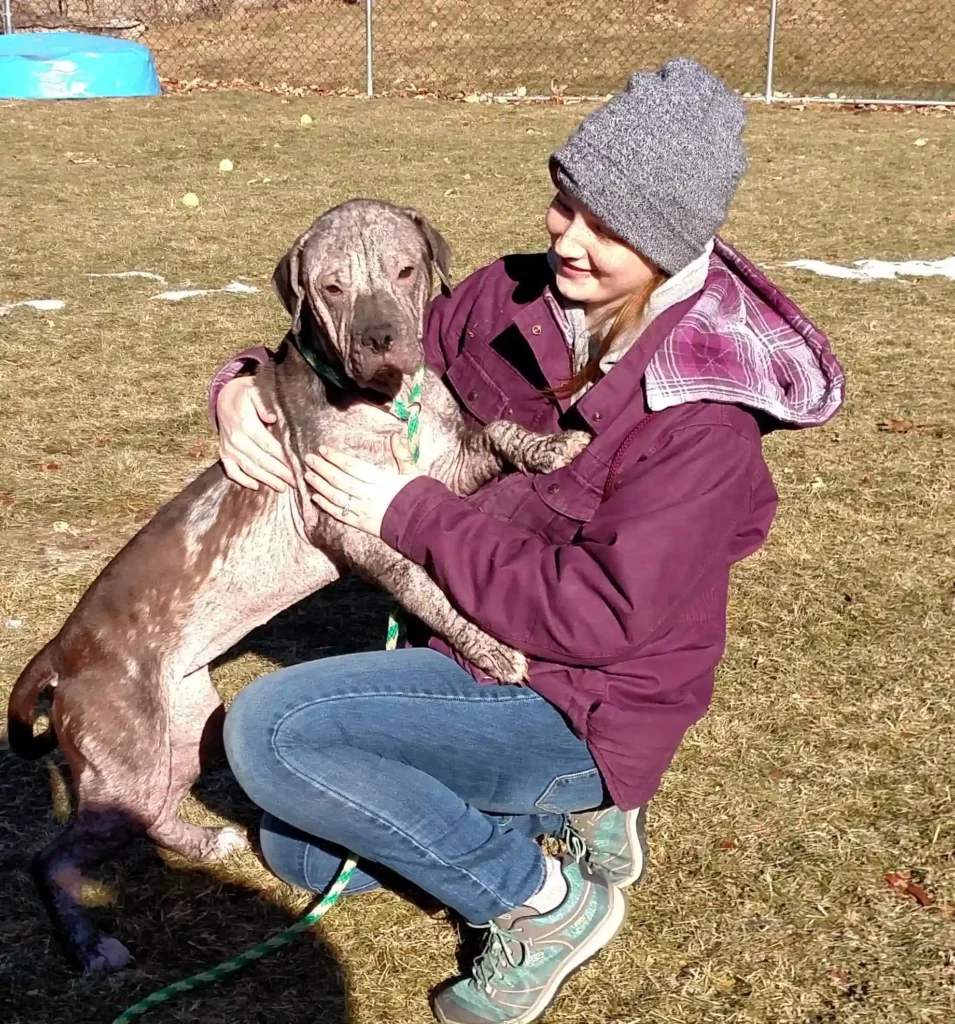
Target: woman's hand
x=355, y=492
x=250, y=453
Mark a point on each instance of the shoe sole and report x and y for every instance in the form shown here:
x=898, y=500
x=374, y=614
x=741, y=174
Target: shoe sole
x=584, y=953
x=637, y=836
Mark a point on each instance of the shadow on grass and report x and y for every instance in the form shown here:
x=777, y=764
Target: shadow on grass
x=175, y=921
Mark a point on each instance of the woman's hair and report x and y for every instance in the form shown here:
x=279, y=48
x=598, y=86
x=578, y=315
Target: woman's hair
x=617, y=323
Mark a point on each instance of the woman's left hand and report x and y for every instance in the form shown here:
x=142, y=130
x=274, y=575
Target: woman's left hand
x=355, y=492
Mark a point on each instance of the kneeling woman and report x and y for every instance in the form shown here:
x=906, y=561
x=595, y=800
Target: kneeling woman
x=611, y=574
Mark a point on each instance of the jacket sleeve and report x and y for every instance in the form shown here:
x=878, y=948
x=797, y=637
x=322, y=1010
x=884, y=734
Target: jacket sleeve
x=247, y=361
x=596, y=600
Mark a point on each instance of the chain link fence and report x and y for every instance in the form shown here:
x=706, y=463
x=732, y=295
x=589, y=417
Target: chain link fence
x=852, y=49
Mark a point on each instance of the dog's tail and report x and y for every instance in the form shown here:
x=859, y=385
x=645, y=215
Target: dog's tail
x=21, y=711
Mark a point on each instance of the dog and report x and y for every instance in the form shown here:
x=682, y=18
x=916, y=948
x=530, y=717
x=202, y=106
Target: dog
x=128, y=671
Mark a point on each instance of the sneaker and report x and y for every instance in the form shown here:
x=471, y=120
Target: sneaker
x=611, y=840
x=528, y=956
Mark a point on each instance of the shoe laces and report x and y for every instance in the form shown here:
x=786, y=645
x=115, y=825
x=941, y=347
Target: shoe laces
x=575, y=842
x=502, y=950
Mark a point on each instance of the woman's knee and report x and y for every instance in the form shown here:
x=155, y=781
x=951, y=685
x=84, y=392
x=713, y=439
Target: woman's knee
x=249, y=732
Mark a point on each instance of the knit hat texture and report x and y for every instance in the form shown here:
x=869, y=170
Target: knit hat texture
x=659, y=163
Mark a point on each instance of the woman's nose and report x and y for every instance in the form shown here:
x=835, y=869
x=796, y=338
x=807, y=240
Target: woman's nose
x=569, y=244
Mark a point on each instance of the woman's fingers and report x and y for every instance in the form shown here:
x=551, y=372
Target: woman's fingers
x=401, y=452
x=261, y=447
x=265, y=414
x=234, y=473
x=258, y=464
x=338, y=465
x=328, y=491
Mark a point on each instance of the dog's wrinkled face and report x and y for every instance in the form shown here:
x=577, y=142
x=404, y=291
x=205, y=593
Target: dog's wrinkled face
x=357, y=284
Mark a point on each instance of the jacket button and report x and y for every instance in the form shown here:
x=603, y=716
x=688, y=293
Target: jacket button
x=553, y=488
x=597, y=417
x=472, y=395
x=536, y=329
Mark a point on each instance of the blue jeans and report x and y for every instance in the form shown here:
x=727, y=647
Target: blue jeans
x=401, y=757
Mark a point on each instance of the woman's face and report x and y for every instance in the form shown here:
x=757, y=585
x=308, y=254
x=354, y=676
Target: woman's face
x=594, y=266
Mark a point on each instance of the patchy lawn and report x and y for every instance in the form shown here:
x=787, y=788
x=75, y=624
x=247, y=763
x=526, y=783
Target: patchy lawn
x=826, y=760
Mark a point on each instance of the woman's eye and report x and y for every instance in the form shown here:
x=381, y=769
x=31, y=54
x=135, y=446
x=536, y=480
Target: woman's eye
x=405, y=272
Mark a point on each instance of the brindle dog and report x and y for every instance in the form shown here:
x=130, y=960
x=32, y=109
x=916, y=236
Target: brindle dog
x=128, y=671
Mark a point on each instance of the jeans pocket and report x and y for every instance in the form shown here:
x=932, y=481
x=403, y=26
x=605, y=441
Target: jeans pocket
x=575, y=791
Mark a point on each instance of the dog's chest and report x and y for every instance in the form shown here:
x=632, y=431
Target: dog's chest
x=365, y=431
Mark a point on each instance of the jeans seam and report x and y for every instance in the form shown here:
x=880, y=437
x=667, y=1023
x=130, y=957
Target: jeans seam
x=560, y=779
x=375, y=817
x=330, y=698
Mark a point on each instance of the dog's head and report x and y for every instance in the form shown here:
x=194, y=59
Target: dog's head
x=357, y=284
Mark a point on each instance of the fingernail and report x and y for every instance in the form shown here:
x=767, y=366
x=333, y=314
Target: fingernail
x=322, y=450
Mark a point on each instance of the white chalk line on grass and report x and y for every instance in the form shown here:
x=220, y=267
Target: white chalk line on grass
x=879, y=270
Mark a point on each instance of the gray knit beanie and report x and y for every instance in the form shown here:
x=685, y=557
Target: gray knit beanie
x=659, y=162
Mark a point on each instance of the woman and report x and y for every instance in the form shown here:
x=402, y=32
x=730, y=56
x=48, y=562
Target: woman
x=611, y=574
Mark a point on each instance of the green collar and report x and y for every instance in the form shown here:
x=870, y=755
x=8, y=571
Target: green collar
x=330, y=373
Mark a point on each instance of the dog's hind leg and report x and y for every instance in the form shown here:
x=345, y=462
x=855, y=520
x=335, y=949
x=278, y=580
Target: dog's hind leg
x=194, y=707
x=96, y=834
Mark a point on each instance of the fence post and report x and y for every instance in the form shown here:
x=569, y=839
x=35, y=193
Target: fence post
x=370, y=47
x=7, y=18
x=770, y=51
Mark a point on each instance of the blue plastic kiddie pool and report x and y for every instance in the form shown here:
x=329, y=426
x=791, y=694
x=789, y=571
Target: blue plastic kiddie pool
x=74, y=65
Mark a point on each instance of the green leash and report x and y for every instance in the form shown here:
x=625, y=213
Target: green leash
x=409, y=413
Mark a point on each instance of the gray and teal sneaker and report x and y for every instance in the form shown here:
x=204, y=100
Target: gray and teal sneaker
x=612, y=840
x=528, y=956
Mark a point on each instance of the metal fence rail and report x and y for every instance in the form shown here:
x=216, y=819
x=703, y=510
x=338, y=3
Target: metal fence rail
x=875, y=50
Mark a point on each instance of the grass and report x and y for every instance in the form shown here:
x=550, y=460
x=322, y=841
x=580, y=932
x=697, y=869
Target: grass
x=826, y=760
x=858, y=48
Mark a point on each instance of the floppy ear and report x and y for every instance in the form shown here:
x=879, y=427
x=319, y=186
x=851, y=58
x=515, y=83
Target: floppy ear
x=286, y=282
x=438, y=249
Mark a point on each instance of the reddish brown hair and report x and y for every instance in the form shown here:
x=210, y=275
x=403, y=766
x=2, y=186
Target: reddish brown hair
x=622, y=320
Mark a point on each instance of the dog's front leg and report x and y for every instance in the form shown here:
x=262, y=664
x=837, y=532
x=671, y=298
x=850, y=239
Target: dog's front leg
x=418, y=594
x=532, y=452
x=481, y=455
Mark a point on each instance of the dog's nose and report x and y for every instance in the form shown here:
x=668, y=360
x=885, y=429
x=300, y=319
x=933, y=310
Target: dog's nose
x=378, y=337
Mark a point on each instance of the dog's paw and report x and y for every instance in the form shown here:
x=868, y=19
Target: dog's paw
x=105, y=954
x=545, y=454
x=504, y=664
x=229, y=841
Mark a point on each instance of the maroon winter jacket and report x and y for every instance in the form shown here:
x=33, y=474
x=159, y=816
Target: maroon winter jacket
x=612, y=574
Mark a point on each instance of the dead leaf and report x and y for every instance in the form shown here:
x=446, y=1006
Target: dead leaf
x=838, y=977
x=728, y=844
x=197, y=451
x=895, y=426
x=48, y=466
x=6, y=500
x=905, y=885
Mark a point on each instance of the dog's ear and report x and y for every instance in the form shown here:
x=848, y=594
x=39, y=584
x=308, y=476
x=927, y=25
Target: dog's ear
x=287, y=284
x=438, y=249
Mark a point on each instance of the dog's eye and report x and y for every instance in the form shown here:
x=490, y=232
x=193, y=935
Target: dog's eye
x=405, y=272
x=332, y=289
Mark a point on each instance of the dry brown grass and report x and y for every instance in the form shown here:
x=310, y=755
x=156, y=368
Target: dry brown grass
x=826, y=759
x=854, y=47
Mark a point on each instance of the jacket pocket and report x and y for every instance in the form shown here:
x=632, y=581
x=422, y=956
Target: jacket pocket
x=575, y=791
x=475, y=389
